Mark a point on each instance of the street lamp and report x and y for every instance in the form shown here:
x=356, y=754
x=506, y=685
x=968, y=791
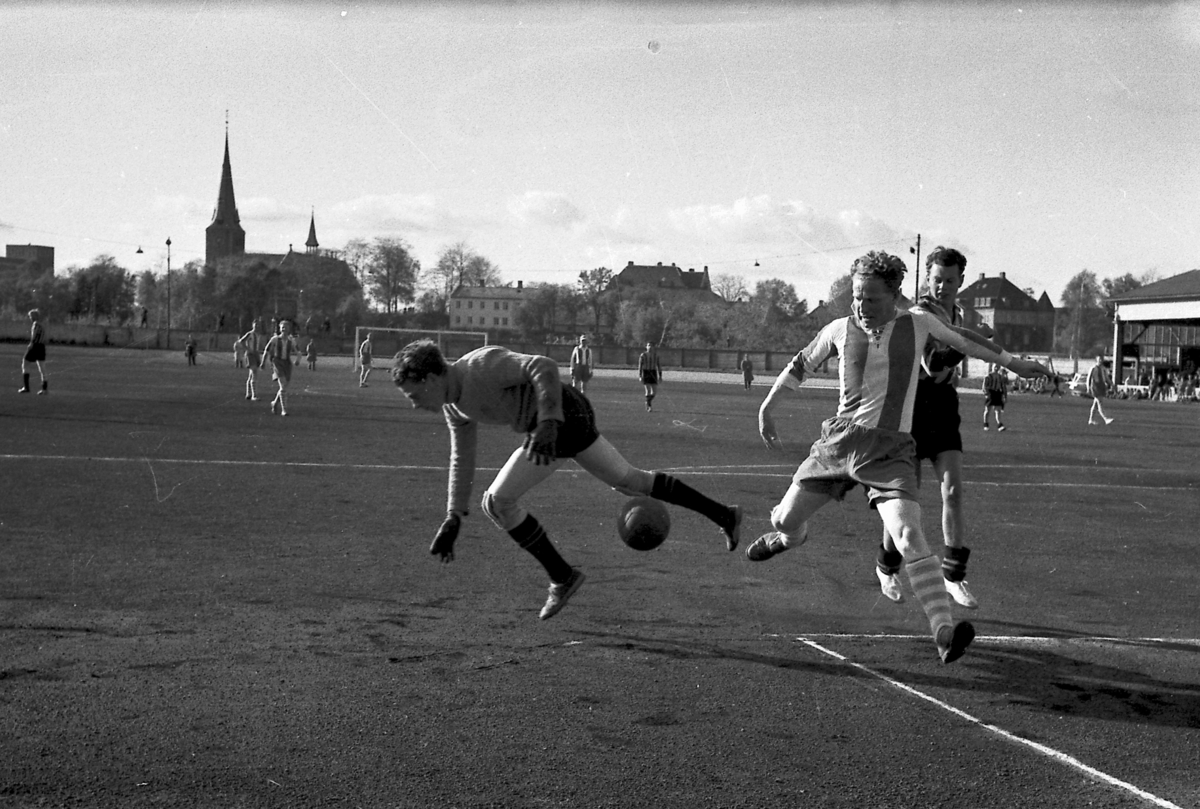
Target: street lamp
x=168, y=293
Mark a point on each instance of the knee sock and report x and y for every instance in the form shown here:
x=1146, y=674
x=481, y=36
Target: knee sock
x=672, y=490
x=925, y=578
x=954, y=564
x=25, y=381
x=45, y=384
x=533, y=538
x=888, y=562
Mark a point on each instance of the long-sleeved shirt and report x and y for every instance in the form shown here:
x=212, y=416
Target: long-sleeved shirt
x=878, y=370
x=492, y=385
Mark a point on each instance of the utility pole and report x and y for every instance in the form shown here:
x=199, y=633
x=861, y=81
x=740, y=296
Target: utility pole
x=168, y=293
x=917, y=274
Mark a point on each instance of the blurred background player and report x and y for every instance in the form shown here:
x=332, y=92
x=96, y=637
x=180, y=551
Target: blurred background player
x=650, y=374
x=239, y=352
x=1097, y=386
x=250, y=341
x=279, y=350
x=868, y=442
x=492, y=385
x=35, y=352
x=995, y=396
x=581, y=365
x=747, y=372
x=364, y=360
x=189, y=350
x=311, y=354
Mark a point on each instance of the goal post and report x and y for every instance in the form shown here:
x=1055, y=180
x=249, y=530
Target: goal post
x=386, y=343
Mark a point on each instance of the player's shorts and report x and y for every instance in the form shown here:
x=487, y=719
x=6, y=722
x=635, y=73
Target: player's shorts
x=578, y=430
x=995, y=398
x=281, y=369
x=36, y=353
x=649, y=377
x=581, y=372
x=364, y=362
x=935, y=425
x=252, y=358
x=884, y=462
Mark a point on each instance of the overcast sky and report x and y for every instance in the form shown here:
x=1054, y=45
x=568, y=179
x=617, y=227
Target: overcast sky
x=1040, y=139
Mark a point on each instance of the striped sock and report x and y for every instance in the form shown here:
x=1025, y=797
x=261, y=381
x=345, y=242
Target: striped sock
x=925, y=578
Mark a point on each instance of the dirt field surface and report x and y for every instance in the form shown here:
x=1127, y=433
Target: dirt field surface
x=206, y=605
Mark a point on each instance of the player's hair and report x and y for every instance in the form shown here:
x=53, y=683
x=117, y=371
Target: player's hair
x=417, y=360
x=946, y=257
x=881, y=265
x=35, y=313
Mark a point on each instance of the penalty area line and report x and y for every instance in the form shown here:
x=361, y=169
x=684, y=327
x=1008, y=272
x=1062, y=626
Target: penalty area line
x=1049, y=752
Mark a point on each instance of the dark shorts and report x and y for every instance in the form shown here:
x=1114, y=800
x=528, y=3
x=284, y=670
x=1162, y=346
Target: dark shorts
x=581, y=372
x=995, y=398
x=281, y=369
x=578, y=431
x=935, y=425
x=847, y=454
x=649, y=377
x=36, y=353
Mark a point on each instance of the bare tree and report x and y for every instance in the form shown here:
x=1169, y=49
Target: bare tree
x=592, y=285
x=392, y=272
x=730, y=287
x=459, y=265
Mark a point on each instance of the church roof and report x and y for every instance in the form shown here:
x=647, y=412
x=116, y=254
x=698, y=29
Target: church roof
x=226, y=212
x=312, y=232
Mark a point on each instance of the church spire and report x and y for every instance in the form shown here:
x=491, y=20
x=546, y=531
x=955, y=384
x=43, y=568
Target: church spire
x=312, y=243
x=225, y=237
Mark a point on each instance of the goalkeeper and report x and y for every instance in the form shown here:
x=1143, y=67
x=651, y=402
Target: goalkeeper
x=492, y=385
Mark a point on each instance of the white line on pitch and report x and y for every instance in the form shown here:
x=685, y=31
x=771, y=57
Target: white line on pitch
x=706, y=470
x=1013, y=639
x=1050, y=752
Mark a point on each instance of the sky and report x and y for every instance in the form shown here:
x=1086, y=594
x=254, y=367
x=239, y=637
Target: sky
x=760, y=140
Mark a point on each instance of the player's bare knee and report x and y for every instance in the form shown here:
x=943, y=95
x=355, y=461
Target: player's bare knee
x=505, y=513
x=787, y=522
x=635, y=482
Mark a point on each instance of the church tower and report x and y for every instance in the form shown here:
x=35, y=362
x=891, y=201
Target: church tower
x=224, y=237
x=311, y=245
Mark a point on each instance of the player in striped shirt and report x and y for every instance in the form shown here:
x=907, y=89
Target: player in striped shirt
x=492, y=385
x=868, y=441
x=995, y=395
x=279, y=350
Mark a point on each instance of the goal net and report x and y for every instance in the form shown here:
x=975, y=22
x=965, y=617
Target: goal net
x=386, y=343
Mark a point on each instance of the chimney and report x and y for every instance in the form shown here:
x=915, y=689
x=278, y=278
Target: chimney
x=982, y=276
x=520, y=285
x=660, y=263
x=1001, y=276
x=630, y=264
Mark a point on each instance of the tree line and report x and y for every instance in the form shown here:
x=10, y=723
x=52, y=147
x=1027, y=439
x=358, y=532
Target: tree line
x=381, y=283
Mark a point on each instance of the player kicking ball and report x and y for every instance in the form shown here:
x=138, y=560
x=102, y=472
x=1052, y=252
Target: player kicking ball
x=868, y=441
x=492, y=385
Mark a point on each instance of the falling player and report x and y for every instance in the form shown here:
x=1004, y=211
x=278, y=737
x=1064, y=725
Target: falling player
x=492, y=385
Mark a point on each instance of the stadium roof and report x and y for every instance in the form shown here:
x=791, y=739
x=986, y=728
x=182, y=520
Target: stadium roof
x=1185, y=286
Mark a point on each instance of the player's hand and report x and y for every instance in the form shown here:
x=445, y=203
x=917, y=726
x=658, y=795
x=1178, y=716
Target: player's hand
x=766, y=428
x=1028, y=368
x=539, y=444
x=443, y=543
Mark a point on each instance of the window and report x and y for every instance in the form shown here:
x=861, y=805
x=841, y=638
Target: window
x=506, y=320
x=470, y=320
x=458, y=304
x=506, y=306
x=470, y=304
x=495, y=304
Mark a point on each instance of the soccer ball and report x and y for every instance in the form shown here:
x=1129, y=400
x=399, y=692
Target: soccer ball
x=643, y=523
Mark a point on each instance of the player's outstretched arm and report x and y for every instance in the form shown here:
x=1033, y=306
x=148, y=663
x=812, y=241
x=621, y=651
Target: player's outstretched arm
x=766, y=421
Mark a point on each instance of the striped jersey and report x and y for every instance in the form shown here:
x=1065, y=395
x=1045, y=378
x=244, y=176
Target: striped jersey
x=37, y=333
x=878, y=370
x=492, y=385
x=939, y=361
